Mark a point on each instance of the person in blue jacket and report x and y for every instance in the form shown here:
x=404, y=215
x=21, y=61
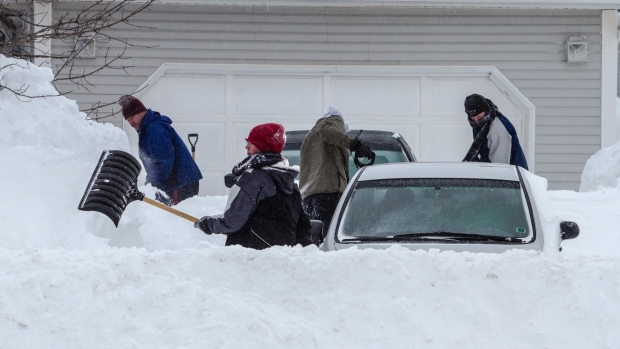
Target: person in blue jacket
x=495, y=138
x=168, y=163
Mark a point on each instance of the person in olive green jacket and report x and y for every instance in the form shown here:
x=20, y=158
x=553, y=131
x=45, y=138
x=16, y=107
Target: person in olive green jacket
x=324, y=165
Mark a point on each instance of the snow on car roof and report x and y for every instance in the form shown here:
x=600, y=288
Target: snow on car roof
x=476, y=170
x=368, y=136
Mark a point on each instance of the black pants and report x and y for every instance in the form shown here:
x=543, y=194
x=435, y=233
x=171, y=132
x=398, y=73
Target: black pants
x=321, y=207
x=178, y=195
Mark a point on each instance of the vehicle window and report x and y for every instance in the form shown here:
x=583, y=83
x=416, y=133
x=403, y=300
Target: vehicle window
x=388, y=208
x=381, y=157
x=292, y=155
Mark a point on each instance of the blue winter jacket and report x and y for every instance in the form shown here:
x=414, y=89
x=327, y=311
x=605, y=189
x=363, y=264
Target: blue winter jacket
x=167, y=161
x=502, y=144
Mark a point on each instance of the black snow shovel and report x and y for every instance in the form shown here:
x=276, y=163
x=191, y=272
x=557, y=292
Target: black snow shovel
x=193, y=144
x=114, y=184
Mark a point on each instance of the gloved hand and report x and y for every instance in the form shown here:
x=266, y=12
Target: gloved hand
x=360, y=149
x=202, y=225
x=355, y=143
x=163, y=198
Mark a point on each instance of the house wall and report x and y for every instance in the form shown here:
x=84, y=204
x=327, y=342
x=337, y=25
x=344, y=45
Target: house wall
x=527, y=46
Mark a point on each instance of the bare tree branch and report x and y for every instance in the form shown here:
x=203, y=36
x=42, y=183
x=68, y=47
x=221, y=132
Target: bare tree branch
x=95, y=22
x=93, y=112
x=20, y=91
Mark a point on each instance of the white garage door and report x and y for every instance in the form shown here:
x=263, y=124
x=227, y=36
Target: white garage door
x=221, y=103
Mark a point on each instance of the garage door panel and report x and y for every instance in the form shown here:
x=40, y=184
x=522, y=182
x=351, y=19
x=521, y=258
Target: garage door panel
x=210, y=144
x=375, y=96
x=445, y=142
x=237, y=142
x=213, y=183
x=185, y=92
x=448, y=94
x=288, y=95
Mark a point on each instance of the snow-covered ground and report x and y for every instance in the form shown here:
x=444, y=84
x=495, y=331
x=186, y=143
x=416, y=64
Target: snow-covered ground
x=70, y=279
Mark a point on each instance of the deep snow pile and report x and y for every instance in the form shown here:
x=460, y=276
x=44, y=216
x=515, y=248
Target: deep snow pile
x=70, y=279
x=602, y=170
x=46, y=150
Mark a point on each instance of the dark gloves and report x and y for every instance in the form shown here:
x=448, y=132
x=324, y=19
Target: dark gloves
x=203, y=225
x=230, y=180
x=361, y=150
x=163, y=199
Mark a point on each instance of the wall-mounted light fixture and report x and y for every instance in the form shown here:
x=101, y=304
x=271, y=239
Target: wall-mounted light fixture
x=577, y=49
x=85, y=46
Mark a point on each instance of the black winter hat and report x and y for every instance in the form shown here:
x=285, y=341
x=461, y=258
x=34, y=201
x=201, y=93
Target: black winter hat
x=476, y=104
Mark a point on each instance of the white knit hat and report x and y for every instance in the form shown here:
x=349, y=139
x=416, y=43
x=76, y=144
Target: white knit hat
x=331, y=111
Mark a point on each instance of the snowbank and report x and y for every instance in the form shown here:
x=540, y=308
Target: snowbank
x=70, y=279
x=48, y=151
x=602, y=170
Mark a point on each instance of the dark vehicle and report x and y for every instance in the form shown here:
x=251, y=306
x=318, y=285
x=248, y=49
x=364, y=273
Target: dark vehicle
x=388, y=147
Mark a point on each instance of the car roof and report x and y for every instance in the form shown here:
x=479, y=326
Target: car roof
x=469, y=170
x=367, y=136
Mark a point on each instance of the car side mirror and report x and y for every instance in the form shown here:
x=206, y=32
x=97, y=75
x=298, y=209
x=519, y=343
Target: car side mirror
x=316, y=231
x=568, y=230
x=230, y=180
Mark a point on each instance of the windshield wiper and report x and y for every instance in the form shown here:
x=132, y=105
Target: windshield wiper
x=455, y=236
x=368, y=238
x=438, y=235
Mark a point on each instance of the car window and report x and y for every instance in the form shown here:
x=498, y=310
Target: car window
x=292, y=155
x=381, y=157
x=395, y=207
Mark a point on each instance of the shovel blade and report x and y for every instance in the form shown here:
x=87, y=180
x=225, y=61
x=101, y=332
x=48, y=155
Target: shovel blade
x=113, y=185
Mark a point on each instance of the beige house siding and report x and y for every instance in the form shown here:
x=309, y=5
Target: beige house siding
x=526, y=45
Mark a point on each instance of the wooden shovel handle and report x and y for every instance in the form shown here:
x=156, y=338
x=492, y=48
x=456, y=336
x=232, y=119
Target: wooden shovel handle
x=170, y=209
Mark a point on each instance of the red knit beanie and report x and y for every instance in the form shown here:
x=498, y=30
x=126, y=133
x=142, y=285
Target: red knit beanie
x=131, y=106
x=268, y=137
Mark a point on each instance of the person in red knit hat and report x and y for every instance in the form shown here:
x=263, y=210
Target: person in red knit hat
x=168, y=163
x=264, y=206
x=267, y=138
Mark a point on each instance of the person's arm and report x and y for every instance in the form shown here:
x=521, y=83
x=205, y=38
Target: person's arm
x=160, y=150
x=332, y=132
x=235, y=217
x=246, y=194
x=303, y=234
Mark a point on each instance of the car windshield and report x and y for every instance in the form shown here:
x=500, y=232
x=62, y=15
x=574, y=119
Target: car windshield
x=382, y=156
x=436, y=209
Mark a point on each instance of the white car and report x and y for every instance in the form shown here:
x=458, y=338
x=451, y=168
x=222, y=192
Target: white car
x=477, y=207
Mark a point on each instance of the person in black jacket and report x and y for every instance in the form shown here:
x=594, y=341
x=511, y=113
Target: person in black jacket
x=264, y=206
x=495, y=138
